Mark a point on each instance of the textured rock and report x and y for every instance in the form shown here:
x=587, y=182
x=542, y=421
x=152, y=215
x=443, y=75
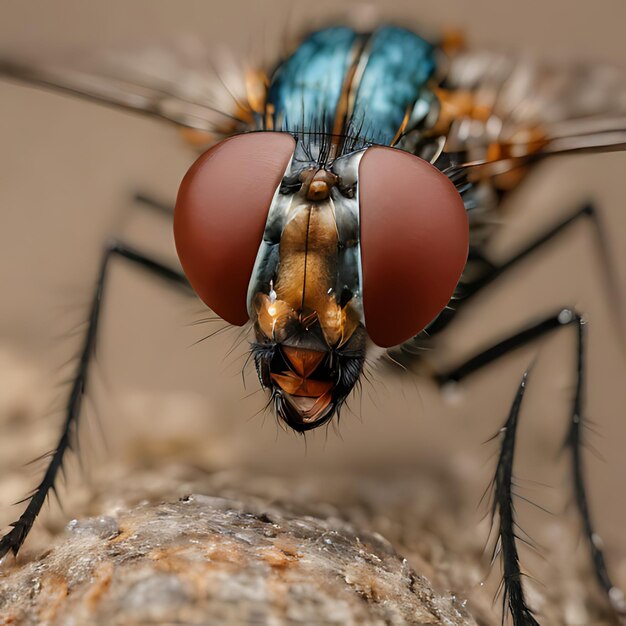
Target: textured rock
x=203, y=560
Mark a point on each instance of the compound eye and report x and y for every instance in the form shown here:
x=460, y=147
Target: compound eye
x=220, y=216
x=414, y=243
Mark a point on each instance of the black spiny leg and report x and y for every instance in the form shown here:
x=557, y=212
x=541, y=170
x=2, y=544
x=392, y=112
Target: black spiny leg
x=490, y=272
x=503, y=505
x=586, y=212
x=14, y=539
x=574, y=443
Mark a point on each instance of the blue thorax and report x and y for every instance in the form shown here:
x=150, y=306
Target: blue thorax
x=384, y=73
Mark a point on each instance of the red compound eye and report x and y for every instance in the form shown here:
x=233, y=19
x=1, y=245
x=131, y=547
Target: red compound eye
x=220, y=216
x=414, y=243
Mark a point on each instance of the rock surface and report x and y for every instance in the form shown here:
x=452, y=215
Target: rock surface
x=206, y=560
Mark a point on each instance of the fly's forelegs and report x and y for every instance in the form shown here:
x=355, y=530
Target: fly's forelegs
x=14, y=539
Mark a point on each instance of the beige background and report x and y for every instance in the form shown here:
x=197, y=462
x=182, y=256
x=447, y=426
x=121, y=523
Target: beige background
x=67, y=171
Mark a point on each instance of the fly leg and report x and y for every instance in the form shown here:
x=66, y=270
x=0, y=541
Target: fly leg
x=573, y=442
x=489, y=272
x=153, y=204
x=586, y=212
x=502, y=504
x=14, y=539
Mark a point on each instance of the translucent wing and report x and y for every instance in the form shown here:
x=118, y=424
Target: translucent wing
x=179, y=84
x=501, y=112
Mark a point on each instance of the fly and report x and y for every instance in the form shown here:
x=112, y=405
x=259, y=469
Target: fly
x=345, y=205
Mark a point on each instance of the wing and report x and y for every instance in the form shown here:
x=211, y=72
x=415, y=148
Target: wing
x=179, y=84
x=498, y=114
x=501, y=113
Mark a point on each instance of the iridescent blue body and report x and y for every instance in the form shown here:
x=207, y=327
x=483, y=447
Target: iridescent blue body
x=382, y=77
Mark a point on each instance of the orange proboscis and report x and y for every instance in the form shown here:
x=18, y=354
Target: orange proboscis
x=304, y=361
x=294, y=385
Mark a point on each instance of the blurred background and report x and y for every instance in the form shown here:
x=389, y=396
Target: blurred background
x=68, y=171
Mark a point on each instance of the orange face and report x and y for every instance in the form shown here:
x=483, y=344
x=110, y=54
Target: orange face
x=308, y=332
